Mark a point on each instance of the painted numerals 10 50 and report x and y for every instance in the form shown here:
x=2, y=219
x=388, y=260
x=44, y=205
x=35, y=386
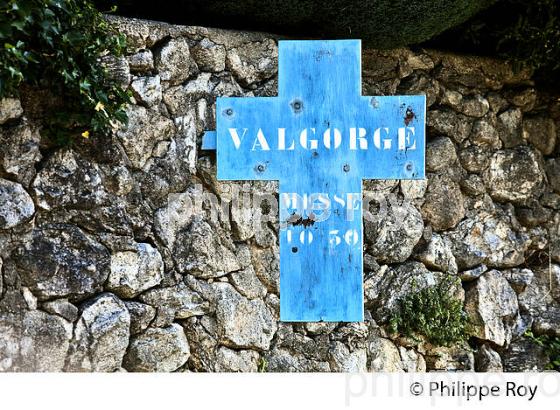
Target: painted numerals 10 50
x=336, y=237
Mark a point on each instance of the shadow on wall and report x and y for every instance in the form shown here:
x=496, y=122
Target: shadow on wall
x=380, y=24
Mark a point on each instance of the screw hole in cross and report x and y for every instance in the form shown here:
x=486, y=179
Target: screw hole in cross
x=297, y=105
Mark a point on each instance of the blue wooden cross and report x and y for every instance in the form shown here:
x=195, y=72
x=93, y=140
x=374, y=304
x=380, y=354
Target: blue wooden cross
x=320, y=138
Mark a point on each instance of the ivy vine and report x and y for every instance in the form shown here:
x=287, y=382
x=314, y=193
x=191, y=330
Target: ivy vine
x=58, y=45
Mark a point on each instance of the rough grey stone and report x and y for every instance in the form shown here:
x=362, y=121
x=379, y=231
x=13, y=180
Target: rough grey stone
x=144, y=131
x=319, y=328
x=141, y=315
x=541, y=133
x=62, y=261
x=519, y=278
x=509, y=127
x=134, y=271
x=443, y=194
x=488, y=237
x=413, y=188
x=63, y=308
x=10, y=108
x=248, y=284
x=487, y=360
x=550, y=200
x=253, y=62
x=209, y=56
x=267, y=267
x=455, y=126
x=228, y=360
x=412, y=361
x=553, y=173
x=293, y=338
x=147, y=90
x=514, y=175
x=533, y=214
x=16, y=206
x=492, y=306
x=383, y=356
x=474, y=72
x=157, y=350
x=29, y=298
x=70, y=181
x=476, y=106
x=524, y=99
x=497, y=102
x=418, y=84
x=101, y=335
x=451, y=98
x=485, y=134
x=554, y=237
x=437, y=254
x=33, y=341
x=539, y=301
x=243, y=323
x=282, y=360
x=117, y=68
x=203, y=343
x=141, y=62
x=165, y=171
x=179, y=99
x=474, y=158
x=440, y=154
x=202, y=253
x=538, y=297
x=175, y=302
x=548, y=322
x=341, y=359
x=173, y=61
x=473, y=185
x=453, y=358
x=524, y=355
x=392, y=228
x=472, y=274
x=119, y=180
x=19, y=152
x=420, y=62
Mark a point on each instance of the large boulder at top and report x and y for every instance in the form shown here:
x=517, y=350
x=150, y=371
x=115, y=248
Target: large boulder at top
x=380, y=23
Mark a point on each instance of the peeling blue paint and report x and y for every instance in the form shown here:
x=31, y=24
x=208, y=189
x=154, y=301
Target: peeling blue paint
x=320, y=138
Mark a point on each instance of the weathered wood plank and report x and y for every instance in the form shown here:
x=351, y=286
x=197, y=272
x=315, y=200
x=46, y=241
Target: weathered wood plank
x=320, y=137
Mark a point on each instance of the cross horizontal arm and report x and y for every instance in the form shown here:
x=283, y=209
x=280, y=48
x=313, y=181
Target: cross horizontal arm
x=209, y=140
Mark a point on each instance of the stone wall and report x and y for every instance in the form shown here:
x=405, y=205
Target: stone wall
x=103, y=270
